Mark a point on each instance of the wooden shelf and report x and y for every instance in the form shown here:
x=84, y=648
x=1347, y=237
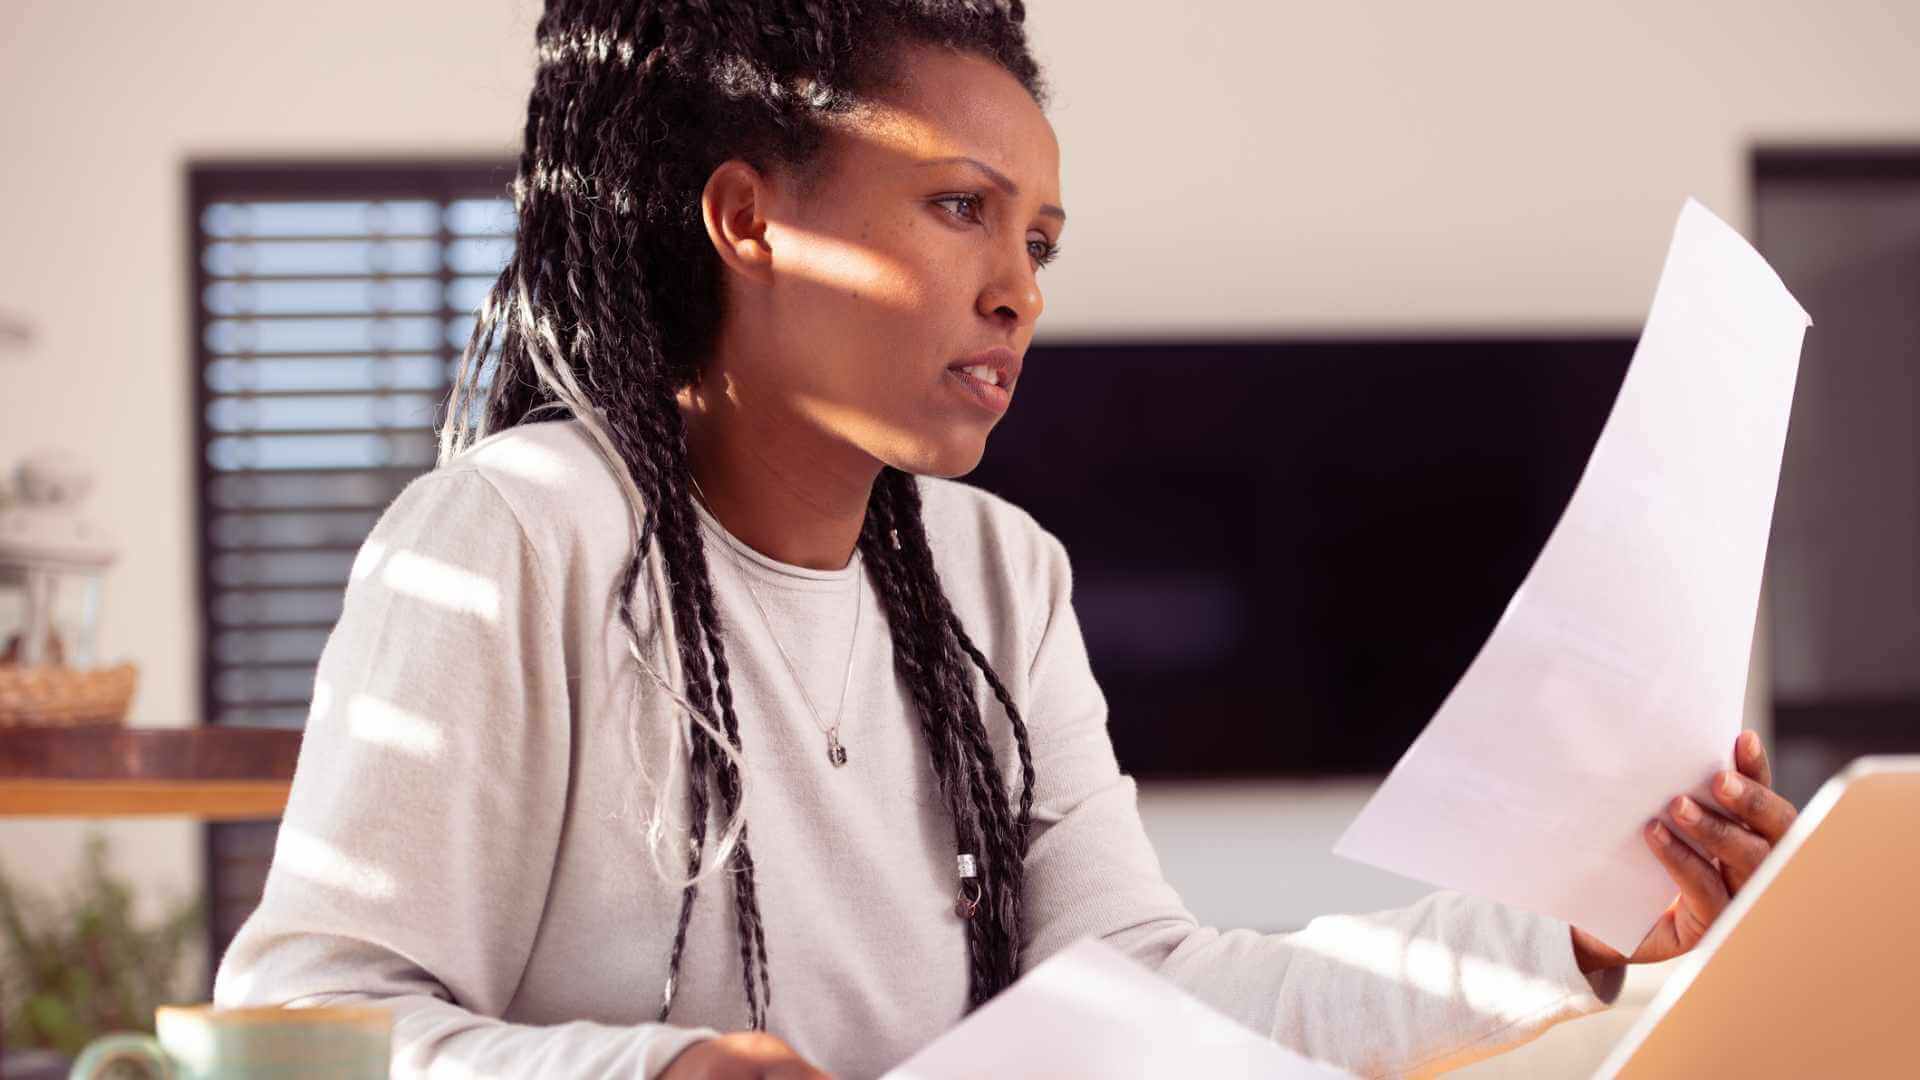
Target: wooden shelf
x=230, y=800
x=212, y=773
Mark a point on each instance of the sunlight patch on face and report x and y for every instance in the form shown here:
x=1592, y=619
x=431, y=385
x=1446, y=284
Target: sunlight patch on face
x=382, y=723
x=833, y=264
x=306, y=856
x=442, y=584
x=965, y=106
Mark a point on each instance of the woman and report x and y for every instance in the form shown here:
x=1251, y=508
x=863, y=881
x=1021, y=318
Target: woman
x=700, y=562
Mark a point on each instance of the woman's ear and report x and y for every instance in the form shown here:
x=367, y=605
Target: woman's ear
x=734, y=205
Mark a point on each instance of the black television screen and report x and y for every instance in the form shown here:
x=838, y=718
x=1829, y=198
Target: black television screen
x=1286, y=553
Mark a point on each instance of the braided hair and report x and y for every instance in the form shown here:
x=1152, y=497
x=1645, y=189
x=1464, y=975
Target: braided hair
x=610, y=305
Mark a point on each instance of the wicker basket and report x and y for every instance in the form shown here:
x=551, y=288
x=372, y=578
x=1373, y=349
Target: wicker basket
x=54, y=695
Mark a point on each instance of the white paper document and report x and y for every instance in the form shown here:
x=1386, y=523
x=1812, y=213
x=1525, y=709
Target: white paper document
x=1616, y=676
x=1089, y=1011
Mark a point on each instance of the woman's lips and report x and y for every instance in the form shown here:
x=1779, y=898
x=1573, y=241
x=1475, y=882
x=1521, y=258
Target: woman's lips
x=994, y=399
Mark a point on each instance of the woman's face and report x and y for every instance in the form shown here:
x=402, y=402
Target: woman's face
x=851, y=304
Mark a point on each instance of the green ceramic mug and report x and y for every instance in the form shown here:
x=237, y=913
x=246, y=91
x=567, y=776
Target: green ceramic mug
x=200, y=1042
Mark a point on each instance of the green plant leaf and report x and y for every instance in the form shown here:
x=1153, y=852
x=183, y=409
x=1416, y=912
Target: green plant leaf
x=80, y=965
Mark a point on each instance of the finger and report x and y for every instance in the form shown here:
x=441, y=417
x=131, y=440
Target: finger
x=1751, y=757
x=1592, y=951
x=1662, y=939
x=1702, y=892
x=1739, y=851
x=1754, y=806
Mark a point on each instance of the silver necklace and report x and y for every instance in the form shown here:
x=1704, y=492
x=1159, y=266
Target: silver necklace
x=836, y=753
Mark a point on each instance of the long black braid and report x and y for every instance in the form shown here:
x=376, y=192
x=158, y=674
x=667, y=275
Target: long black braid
x=610, y=305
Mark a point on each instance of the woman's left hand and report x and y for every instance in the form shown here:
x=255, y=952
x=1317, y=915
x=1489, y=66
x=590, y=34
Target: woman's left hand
x=1738, y=832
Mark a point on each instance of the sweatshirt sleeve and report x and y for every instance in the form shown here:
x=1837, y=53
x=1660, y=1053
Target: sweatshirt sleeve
x=1445, y=981
x=414, y=856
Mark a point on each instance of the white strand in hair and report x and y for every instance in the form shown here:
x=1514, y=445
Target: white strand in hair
x=457, y=434
x=558, y=379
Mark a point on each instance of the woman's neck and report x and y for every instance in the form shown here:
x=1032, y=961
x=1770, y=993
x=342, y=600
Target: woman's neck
x=781, y=488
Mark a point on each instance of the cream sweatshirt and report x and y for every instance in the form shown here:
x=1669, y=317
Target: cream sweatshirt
x=464, y=842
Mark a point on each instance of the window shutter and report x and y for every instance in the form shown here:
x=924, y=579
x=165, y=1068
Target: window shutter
x=331, y=304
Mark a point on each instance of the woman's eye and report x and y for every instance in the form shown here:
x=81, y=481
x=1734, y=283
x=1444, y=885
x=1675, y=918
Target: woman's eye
x=969, y=200
x=1043, y=252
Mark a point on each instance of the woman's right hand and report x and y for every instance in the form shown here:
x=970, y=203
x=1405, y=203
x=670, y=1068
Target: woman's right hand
x=741, y=1055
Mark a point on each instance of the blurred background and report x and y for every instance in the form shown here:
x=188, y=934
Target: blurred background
x=1350, y=291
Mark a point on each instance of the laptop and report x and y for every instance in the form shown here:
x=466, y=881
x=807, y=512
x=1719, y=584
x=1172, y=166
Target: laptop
x=1814, y=968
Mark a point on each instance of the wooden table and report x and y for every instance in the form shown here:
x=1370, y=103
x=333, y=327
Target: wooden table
x=211, y=773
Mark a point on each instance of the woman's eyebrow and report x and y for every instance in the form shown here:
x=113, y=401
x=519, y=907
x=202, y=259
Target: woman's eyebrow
x=1001, y=181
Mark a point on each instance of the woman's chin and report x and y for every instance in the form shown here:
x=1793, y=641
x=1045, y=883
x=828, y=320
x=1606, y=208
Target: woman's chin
x=948, y=459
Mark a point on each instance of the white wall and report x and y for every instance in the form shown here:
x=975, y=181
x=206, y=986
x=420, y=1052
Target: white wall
x=1229, y=167
x=1487, y=164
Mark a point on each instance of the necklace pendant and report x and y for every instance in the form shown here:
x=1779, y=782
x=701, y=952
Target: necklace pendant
x=835, y=752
